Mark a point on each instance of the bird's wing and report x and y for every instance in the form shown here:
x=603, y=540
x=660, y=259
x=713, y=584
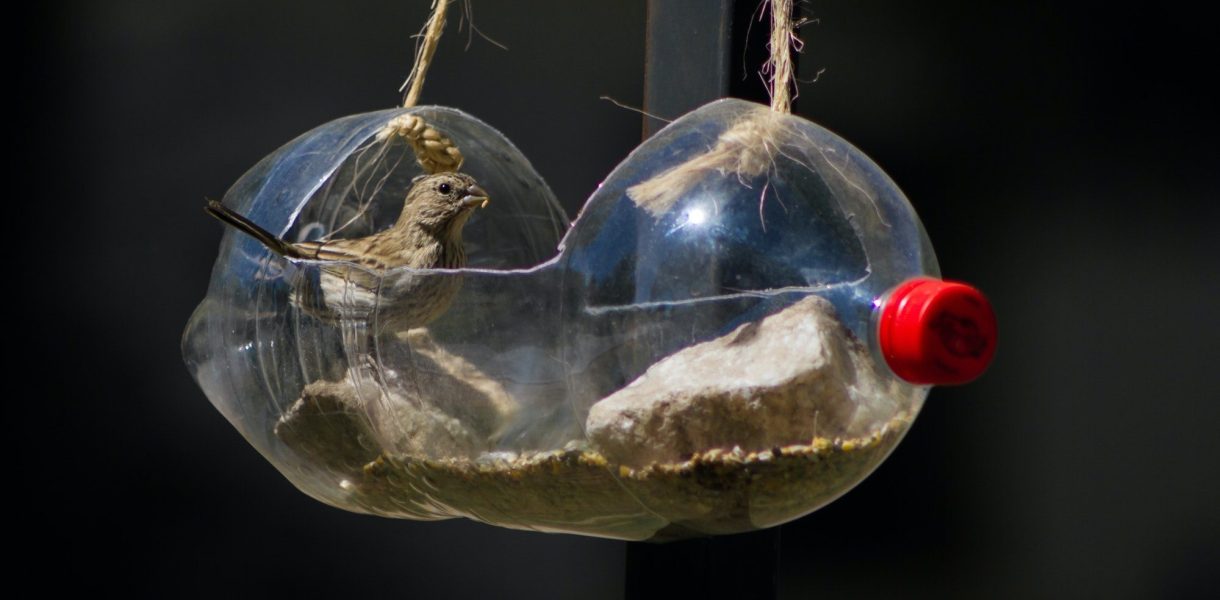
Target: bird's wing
x=337, y=250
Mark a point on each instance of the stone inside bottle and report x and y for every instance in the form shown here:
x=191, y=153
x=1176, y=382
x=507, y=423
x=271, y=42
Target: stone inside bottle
x=741, y=432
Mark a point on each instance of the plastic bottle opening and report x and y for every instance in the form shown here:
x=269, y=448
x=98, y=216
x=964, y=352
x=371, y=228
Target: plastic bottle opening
x=937, y=332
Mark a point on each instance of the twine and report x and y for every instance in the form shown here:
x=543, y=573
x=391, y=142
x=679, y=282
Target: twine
x=748, y=148
x=434, y=152
x=780, y=65
x=423, y=53
x=744, y=151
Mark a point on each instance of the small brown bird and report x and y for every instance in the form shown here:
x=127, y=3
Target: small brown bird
x=427, y=235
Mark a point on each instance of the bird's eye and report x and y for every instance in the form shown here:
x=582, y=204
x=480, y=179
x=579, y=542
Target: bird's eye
x=444, y=188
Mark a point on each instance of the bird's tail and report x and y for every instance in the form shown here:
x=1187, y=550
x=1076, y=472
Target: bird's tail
x=226, y=214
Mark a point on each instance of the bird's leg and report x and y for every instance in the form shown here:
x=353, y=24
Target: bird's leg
x=359, y=344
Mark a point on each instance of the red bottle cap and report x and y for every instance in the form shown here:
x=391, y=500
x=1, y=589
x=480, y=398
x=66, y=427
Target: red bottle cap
x=937, y=332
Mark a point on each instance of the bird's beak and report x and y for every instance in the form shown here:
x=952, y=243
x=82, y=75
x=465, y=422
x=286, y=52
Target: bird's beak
x=475, y=196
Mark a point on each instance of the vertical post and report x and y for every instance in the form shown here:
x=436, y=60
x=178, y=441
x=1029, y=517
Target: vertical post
x=733, y=567
x=699, y=51
x=686, y=57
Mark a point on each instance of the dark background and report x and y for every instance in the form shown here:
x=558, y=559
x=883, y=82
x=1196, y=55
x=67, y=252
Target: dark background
x=1063, y=157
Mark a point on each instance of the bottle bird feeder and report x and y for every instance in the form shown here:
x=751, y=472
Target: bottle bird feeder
x=738, y=327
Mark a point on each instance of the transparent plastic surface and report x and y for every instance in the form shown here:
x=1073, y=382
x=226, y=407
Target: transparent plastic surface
x=697, y=359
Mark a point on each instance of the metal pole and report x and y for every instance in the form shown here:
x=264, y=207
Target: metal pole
x=734, y=567
x=699, y=51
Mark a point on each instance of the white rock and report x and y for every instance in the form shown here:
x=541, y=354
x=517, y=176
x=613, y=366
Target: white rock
x=455, y=386
x=437, y=406
x=778, y=381
x=393, y=422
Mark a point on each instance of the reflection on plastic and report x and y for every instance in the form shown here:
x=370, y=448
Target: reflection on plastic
x=698, y=358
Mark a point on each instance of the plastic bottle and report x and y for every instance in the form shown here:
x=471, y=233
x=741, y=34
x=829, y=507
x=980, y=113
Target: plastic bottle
x=740, y=325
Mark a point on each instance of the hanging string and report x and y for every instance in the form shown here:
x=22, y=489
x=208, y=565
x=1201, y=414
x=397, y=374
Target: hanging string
x=780, y=64
x=424, y=50
x=434, y=152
